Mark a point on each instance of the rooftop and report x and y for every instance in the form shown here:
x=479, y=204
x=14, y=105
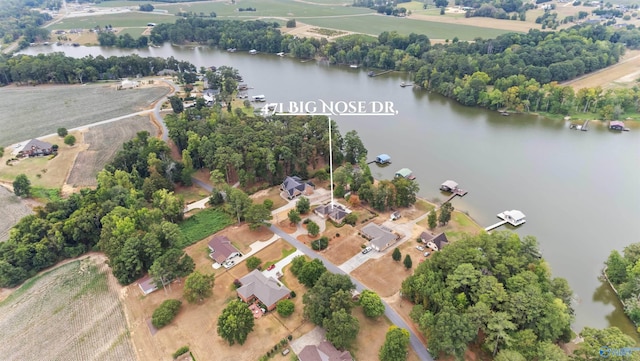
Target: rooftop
x=404, y=172
x=267, y=290
x=222, y=248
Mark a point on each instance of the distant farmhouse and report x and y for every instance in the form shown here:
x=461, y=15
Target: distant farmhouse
x=33, y=148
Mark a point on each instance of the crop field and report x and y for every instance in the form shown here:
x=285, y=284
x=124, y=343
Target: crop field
x=123, y=20
x=277, y=8
x=72, y=312
x=12, y=210
x=103, y=142
x=41, y=110
x=375, y=24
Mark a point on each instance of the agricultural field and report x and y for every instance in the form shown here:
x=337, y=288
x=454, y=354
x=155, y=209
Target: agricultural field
x=121, y=20
x=72, y=312
x=41, y=110
x=624, y=74
x=102, y=142
x=12, y=210
x=203, y=224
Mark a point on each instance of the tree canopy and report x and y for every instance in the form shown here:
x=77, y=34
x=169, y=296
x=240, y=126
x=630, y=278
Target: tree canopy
x=236, y=322
x=396, y=345
x=198, y=286
x=624, y=273
x=490, y=283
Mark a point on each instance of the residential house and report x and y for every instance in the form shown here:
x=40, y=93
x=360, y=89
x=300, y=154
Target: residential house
x=33, y=148
x=147, y=285
x=380, y=237
x=335, y=212
x=616, y=125
x=434, y=242
x=325, y=351
x=293, y=187
x=256, y=286
x=222, y=250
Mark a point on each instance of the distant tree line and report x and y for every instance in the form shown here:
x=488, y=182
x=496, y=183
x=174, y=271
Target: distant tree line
x=122, y=41
x=56, y=68
x=18, y=20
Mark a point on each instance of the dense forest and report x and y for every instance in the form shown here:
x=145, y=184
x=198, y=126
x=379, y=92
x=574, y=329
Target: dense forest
x=514, y=71
x=18, y=19
x=623, y=271
x=57, y=68
x=495, y=291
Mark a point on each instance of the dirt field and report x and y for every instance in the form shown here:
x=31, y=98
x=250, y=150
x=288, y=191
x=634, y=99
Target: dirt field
x=272, y=193
x=102, y=142
x=344, y=247
x=70, y=313
x=42, y=171
x=624, y=74
x=12, y=210
x=69, y=106
x=394, y=272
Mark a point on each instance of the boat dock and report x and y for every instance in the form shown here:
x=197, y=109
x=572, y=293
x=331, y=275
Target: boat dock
x=493, y=226
x=456, y=193
x=583, y=127
x=372, y=74
x=403, y=84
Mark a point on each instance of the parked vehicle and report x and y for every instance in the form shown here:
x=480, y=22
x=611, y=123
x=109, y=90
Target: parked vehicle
x=271, y=267
x=420, y=248
x=366, y=250
x=426, y=254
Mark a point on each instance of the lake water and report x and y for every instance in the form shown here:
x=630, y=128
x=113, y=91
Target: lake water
x=579, y=190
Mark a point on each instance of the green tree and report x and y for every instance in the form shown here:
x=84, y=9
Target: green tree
x=172, y=206
x=445, y=213
x=291, y=23
x=351, y=219
x=176, y=104
x=547, y=351
x=165, y=313
x=396, y=255
x=294, y=216
x=257, y=215
x=320, y=244
x=595, y=339
x=296, y=265
x=313, y=228
x=342, y=329
x=509, y=355
x=62, y=132
x=408, y=263
x=320, y=301
x=303, y=205
x=188, y=170
x=406, y=191
x=236, y=322
x=497, y=330
x=396, y=345
x=238, y=202
x=616, y=268
x=432, y=219
x=69, y=140
x=268, y=204
x=198, y=286
x=285, y=308
x=354, y=150
x=173, y=264
x=253, y=262
x=311, y=272
x=371, y=304
x=22, y=186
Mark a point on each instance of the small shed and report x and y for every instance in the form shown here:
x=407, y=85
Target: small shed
x=616, y=125
x=383, y=159
x=147, y=285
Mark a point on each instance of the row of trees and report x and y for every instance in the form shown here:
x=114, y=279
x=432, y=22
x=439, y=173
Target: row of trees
x=60, y=69
x=624, y=273
x=107, y=38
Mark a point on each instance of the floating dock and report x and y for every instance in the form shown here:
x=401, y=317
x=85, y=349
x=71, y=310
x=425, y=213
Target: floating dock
x=513, y=217
x=456, y=193
x=493, y=226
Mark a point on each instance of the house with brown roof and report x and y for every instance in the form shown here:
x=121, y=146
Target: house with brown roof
x=434, y=242
x=222, y=250
x=293, y=187
x=323, y=352
x=34, y=148
x=256, y=286
x=335, y=212
x=380, y=237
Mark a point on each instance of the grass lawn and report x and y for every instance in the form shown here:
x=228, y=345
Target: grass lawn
x=134, y=32
x=125, y=20
x=285, y=253
x=281, y=8
x=45, y=194
x=424, y=206
x=202, y=224
x=375, y=24
x=191, y=194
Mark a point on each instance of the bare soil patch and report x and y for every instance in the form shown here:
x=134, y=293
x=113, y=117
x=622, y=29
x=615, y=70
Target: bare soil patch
x=520, y=26
x=272, y=193
x=394, y=273
x=242, y=237
x=103, y=142
x=625, y=74
x=42, y=171
x=287, y=226
x=191, y=194
x=71, y=312
x=344, y=247
x=12, y=210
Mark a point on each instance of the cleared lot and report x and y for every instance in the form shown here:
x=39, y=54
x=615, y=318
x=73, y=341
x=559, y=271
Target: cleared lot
x=12, y=210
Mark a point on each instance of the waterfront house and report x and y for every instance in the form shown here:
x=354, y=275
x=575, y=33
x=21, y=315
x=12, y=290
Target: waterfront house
x=221, y=249
x=293, y=187
x=380, y=237
x=434, y=242
x=383, y=159
x=449, y=186
x=616, y=125
x=257, y=286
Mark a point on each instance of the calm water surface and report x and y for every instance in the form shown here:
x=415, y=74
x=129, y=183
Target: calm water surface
x=579, y=190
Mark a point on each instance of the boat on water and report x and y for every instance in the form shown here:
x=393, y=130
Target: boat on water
x=354, y=66
x=253, y=52
x=371, y=73
x=231, y=50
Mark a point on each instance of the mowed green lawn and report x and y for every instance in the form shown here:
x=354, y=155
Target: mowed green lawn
x=280, y=8
x=134, y=32
x=125, y=20
x=375, y=24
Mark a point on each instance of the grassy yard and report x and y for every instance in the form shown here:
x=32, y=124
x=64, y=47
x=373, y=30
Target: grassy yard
x=280, y=8
x=45, y=194
x=285, y=253
x=202, y=224
x=134, y=32
x=124, y=20
x=375, y=24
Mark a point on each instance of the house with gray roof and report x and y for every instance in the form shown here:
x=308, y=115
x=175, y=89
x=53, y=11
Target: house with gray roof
x=221, y=249
x=434, y=242
x=324, y=351
x=293, y=187
x=256, y=286
x=380, y=237
x=147, y=285
x=335, y=212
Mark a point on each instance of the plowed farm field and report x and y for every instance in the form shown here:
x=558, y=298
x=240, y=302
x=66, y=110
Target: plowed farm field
x=35, y=111
x=103, y=142
x=72, y=312
x=12, y=210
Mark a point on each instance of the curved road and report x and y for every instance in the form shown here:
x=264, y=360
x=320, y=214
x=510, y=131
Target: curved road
x=156, y=109
x=393, y=316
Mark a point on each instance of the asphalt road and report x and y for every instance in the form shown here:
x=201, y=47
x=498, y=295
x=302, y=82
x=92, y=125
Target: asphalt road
x=156, y=109
x=393, y=316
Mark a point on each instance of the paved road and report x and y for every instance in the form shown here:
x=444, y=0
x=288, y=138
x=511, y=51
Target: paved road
x=156, y=110
x=393, y=316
